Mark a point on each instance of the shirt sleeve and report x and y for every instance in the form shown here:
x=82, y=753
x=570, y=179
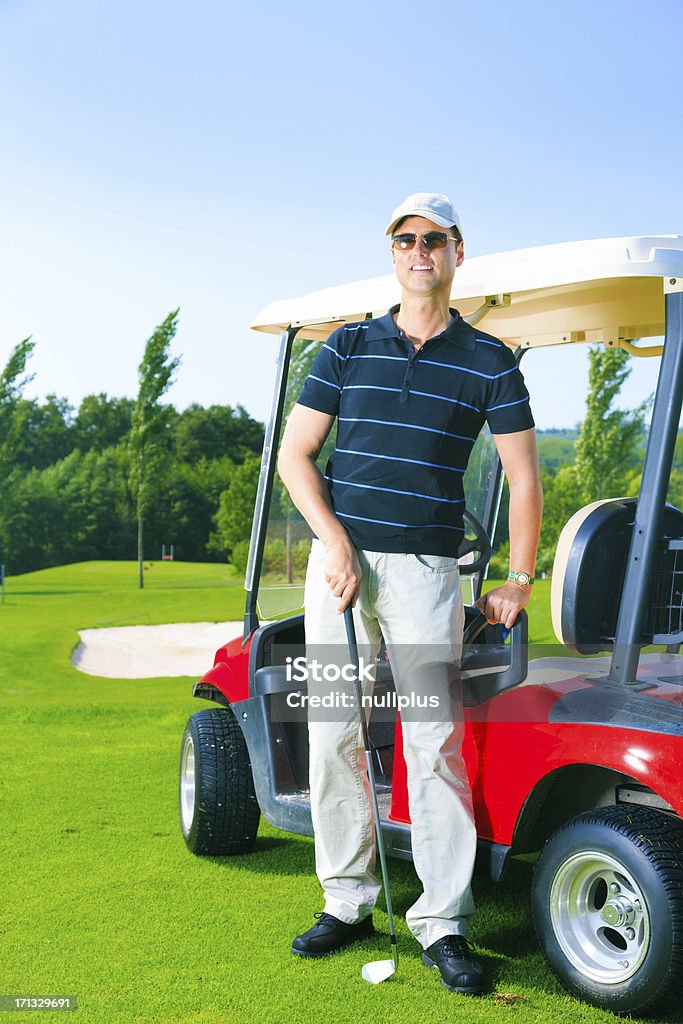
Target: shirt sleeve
x=323, y=385
x=507, y=407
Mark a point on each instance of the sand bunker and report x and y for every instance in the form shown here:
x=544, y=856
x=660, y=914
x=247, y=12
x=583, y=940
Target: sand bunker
x=147, y=652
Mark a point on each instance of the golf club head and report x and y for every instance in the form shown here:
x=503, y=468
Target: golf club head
x=378, y=970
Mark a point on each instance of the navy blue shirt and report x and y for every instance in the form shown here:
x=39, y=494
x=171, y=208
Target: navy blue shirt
x=407, y=421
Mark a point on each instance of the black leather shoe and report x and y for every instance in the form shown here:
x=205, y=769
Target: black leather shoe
x=460, y=969
x=330, y=934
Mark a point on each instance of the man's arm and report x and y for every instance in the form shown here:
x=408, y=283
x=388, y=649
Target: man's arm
x=302, y=441
x=519, y=457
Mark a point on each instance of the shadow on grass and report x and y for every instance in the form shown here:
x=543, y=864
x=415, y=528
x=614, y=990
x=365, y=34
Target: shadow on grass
x=502, y=928
x=502, y=923
x=272, y=855
x=49, y=592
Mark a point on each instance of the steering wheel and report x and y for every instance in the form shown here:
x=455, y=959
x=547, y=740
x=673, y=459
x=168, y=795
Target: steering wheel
x=479, y=543
x=473, y=628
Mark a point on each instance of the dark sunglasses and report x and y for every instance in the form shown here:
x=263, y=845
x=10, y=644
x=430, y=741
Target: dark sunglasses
x=432, y=240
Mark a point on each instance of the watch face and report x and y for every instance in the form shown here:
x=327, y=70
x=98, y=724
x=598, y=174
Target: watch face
x=523, y=578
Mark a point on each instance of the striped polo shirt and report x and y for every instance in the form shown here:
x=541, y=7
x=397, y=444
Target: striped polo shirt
x=406, y=423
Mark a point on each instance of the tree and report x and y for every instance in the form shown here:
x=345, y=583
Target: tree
x=13, y=380
x=608, y=442
x=563, y=497
x=102, y=422
x=285, y=522
x=216, y=431
x=148, y=437
x=190, y=495
x=236, y=508
x=34, y=522
x=44, y=432
x=607, y=452
x=97, y=486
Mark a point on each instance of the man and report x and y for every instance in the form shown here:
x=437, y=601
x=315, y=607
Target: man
x=411, y=391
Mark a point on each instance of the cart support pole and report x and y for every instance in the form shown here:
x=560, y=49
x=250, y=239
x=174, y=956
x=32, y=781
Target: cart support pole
x=652, y=498
x=265, y=482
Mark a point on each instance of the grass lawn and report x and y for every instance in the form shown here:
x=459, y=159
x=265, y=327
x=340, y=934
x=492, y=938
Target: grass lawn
x=101, y=898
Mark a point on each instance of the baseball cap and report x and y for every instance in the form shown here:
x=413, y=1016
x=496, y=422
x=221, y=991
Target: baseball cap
x=431, y=205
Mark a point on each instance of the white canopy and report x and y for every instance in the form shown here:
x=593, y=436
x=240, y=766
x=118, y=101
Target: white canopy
x=605, y=290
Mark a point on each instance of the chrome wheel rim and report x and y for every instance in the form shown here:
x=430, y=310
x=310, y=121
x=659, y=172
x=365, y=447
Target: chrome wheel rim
x=600, y=917
x=187, y=784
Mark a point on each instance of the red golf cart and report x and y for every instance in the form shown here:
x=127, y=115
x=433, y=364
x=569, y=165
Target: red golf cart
x=573, y=755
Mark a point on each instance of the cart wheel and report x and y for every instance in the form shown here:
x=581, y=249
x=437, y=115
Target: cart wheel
x=607, y=901
x=219, y=813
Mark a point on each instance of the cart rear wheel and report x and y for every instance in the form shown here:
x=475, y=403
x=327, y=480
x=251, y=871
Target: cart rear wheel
x=607, y=900
x=219, y=814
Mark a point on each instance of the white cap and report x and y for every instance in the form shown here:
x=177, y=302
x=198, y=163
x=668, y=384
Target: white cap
x=431, y=205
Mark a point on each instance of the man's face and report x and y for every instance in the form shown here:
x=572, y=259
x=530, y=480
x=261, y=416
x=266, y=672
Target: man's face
x=421, y=271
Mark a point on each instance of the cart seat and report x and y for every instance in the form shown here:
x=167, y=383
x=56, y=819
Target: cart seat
x=588, y=576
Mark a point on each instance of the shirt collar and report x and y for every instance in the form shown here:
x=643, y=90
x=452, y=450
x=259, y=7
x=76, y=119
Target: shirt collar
x=458, y=331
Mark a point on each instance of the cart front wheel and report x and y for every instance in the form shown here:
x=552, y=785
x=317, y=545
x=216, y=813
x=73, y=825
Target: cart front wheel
x=219, y=814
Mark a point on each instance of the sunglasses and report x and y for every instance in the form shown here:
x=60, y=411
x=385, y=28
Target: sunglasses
x=432, y=240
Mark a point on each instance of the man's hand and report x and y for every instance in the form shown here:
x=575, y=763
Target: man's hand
x=343, y=573
x=503, y=603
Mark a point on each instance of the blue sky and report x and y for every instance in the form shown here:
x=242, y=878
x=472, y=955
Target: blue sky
x=217, y=157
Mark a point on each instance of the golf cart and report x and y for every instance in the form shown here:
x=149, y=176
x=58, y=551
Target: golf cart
x=575, y=757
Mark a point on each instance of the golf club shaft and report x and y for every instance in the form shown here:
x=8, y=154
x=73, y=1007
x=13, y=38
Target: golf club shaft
x=353, y=651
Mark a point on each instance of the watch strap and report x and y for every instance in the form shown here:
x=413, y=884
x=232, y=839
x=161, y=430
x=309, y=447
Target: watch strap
x=525, y=581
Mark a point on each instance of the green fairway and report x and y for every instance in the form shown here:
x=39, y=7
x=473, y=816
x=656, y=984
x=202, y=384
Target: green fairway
x=101, y=898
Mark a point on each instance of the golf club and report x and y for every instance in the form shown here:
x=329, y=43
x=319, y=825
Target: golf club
x=378, y=970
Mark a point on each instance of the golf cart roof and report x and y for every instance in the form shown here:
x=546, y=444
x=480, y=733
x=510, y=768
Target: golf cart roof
x=605, y=290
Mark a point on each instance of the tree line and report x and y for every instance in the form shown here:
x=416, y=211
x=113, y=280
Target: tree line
x=120, y=476
x=601, y=458
x=79, y=483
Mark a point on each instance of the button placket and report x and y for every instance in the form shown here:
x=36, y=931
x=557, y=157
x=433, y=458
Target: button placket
x=410, y=370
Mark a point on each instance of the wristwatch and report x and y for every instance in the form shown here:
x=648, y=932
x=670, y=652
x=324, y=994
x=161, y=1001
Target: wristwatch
x=522, y=579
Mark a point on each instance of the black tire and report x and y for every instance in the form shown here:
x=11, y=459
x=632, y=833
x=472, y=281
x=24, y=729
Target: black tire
x=607, y=902
x=219, y=813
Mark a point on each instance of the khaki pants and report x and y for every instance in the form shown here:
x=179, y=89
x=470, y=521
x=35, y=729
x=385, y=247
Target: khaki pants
x=415, y=603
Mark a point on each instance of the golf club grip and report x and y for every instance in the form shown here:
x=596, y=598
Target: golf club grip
x=351, y=633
